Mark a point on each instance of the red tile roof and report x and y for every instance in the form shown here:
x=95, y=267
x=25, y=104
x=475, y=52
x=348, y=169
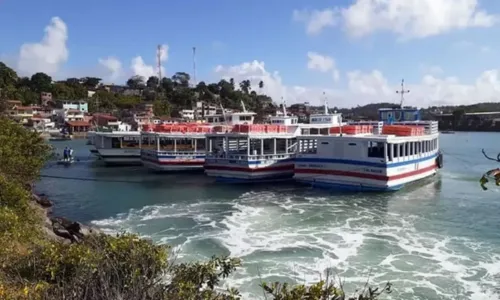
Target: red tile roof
x=78, y=123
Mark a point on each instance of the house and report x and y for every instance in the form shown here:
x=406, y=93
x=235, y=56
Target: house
x=77, y=127
x=41, y=122
x=80, y=105
x=104, y=119
x=22, y=113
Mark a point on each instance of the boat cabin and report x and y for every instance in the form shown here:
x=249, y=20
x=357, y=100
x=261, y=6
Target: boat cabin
x=173, y=142
x=117, y=140
x=396, y=114
x=233, y=118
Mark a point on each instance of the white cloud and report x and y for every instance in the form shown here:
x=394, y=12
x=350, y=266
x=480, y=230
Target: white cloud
x=409, y=19
x=113, y=67
x=315, y=20
x=140, y=68
x=49, y=54
x=322, y=63
x=319, y=62
x=371, y=87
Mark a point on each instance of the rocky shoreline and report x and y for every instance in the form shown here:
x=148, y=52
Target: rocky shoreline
x=59, y=228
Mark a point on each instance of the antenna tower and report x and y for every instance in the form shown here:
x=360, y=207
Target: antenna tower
x=402, y=92
x=194, y=67
x=158, y=56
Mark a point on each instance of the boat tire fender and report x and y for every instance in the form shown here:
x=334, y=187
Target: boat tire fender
x=439, y=160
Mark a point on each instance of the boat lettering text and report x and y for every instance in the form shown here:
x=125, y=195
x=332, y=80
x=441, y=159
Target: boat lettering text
x=372, y=170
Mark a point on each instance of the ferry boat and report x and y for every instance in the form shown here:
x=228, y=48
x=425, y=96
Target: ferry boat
x=178, y=147
x=371, y=156
x=118, y=147
x=261, y=152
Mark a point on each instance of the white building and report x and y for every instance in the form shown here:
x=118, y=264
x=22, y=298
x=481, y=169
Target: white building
x=80, y=105
x=187, y=114
x=69, y=115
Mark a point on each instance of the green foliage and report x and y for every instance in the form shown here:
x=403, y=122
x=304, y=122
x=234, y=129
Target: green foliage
x=22, y=153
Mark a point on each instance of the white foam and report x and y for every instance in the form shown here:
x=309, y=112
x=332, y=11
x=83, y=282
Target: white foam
x=277, y=235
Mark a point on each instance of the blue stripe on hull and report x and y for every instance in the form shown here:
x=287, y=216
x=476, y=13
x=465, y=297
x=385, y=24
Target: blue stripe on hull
x=271, y=178
x=363, y=163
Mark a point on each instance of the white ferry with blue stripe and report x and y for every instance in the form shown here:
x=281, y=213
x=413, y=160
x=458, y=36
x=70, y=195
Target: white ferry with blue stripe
x=261, y=152
x=398, y=150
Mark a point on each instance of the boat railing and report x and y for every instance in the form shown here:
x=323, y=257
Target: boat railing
x=177, y=153
x=246, y=157
x=430, y=127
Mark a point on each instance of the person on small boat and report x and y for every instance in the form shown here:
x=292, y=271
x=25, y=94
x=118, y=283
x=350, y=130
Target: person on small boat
x=70, y=156
x=65, y=154
x=491, y=174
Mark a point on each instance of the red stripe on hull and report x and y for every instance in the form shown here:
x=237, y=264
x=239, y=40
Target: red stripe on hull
x=364, y=175
x=251, y=170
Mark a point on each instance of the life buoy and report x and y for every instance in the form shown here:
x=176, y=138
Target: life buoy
x=439, y=160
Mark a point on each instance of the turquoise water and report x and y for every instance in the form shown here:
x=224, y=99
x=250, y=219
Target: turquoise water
x=439, y=239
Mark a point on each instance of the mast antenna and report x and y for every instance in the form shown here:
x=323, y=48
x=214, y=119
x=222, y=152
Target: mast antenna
x=402, y=92
x=158, y=56
x=194, y=67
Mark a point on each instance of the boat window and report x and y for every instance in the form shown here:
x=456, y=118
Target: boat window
x=200, y=144
x=352, y=144
x=166, y=144
x=389, y=152
x=130, y=142
x=309, y=146
x=418, y=149
x=375, y=149
x=402, y=152
x=115, y=143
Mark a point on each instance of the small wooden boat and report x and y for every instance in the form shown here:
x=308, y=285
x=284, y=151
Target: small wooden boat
x=65, y=162
x=60, y=138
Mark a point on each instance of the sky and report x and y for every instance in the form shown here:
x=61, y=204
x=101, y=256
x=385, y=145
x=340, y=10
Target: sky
x=348, y=52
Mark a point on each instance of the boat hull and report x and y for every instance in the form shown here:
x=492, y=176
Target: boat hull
x=237, y=171
x=122, y=157
x=168, y=163
x=349, y=175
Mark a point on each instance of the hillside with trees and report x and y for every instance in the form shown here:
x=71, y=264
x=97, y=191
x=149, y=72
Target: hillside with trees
x=169, y=95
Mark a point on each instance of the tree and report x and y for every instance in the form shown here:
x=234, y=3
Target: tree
x=161, y=108
x=8, y=81
x=181, y=79
x=23, y=153
x=136, y=82
x=41, y=82
x=90, y=82
x=152, y=82
x=245, y=86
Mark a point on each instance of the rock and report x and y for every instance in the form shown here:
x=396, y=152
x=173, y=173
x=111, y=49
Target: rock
x=60, y=231
x=45, y=202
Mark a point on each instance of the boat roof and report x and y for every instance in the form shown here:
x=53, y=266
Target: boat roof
x=388, y=138
x=187, y=135
x=117, y=133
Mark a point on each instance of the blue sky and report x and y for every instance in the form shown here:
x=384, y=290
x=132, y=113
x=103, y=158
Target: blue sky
x=230, y=33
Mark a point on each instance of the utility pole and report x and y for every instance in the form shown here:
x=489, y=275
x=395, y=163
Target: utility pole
x=402, y=92
x=194, y=67
x=158, y=56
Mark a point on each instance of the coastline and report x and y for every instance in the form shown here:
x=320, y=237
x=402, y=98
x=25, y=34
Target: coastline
x=55, y=227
